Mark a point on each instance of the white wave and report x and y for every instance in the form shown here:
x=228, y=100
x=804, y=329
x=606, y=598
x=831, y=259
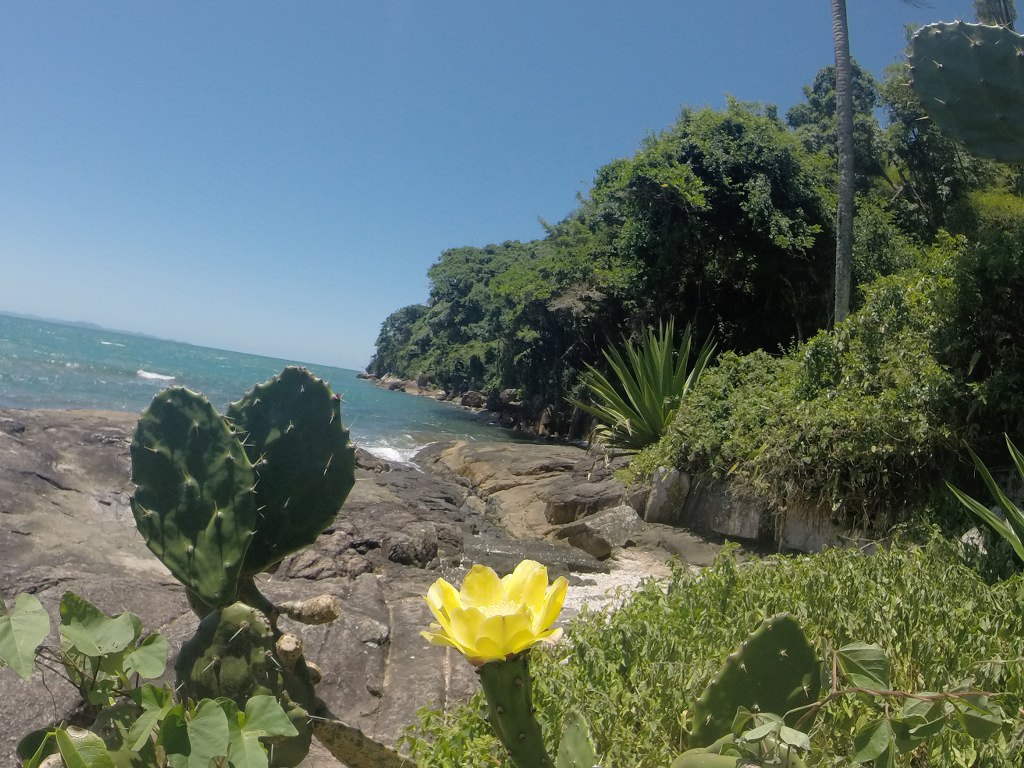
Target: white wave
x=154, y=376
x=110, y=344
x=387, y=452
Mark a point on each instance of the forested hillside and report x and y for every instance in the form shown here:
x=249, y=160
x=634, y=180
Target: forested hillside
x=723, y=220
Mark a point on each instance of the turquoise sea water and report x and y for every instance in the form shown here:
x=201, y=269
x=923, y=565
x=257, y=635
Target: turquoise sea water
x=53, y=365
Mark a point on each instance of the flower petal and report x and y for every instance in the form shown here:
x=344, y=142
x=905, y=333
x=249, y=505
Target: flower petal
x=506, y=631
x=436, y=638
x=443, y=598
x=553, y=601
x=526, y=585
x=481, y=587
x=465, y=629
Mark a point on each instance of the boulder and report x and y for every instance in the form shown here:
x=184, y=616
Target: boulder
x=415, y=545
x=473, y=399
x=366, y=460
x=508, y=397
x=568, y=499
x=604, y=531
x=667, y=498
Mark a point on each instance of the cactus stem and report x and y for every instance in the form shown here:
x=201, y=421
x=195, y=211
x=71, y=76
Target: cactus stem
x=507, y=688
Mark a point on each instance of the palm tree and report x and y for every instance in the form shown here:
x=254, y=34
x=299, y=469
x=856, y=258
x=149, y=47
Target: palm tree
x=844, y=128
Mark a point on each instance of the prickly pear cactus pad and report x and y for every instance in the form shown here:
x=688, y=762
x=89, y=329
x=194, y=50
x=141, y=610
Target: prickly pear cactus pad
x=970, y=79
x=232, y=656
x=775, y=670
x=305, y=466
x=194, y=504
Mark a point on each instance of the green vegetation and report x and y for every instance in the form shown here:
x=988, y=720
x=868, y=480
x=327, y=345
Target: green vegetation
x=1009, y=525
x=219, y=499
x=651, y=379
x=635, y=674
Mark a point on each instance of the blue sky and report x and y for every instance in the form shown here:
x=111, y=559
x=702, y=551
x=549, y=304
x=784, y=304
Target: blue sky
x=277, y=177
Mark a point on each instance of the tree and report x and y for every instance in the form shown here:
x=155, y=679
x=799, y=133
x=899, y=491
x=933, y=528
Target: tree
x=844, y=131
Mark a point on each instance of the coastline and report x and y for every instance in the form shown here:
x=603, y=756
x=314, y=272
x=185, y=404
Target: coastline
x=66, y=525
x=504, y=408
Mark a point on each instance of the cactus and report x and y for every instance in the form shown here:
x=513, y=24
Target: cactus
x=774, y=670
x=232, y=655
x=508, y=690
x=194, y=504
x=291, y=429
x=970, y=79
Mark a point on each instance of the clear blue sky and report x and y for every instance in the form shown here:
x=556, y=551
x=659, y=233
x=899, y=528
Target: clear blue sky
x=276, y=177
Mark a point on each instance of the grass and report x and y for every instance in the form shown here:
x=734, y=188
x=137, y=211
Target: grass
x=634, y=673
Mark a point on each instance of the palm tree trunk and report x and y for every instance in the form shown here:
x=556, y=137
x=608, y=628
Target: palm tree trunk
x=844, y=120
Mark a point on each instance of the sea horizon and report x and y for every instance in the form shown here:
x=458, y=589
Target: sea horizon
x=57, y=365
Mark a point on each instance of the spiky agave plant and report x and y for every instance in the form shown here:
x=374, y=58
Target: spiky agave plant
x=648, y=381
x=1010, y=528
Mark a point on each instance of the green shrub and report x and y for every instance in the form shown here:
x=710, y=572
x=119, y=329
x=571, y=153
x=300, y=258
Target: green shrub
x=987, y=337
x=634, y=673
x=856, y=421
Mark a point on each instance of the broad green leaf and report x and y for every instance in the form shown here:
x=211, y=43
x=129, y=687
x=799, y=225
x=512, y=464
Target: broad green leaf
x=82, y=749
x=149, y=659
x=143, y=728
x=872, y=741
x=576, y=749
x=36, y=747
x=758, y=733
x=208, y=736
x=265, y=717
x=979, y=718
x=21, y=631
x=794, y=738
x=865, y=665
x=247, y=751
x=87, y=629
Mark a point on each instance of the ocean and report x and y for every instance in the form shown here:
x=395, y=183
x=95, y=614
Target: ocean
x=56, y=365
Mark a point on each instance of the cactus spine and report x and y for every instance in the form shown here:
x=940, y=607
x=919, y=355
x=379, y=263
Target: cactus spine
x=774, y=670
x=970, y=79
x=507, y=687
x=232, y=655
x=291, y=430
x=194, y=504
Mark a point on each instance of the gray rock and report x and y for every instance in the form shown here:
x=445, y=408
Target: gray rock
x=666, y=501
x=473, y=399
x=568, y=499
x=415, y=545
x=600, y=533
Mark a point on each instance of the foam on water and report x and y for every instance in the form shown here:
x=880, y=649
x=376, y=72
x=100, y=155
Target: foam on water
x=54, y=365
x=153, y=376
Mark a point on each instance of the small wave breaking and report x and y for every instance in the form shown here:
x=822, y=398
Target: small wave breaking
x=153, y=376
x=110, y=343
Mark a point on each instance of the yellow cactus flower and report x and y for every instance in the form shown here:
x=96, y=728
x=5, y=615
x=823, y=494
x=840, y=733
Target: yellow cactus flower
x=492, y=618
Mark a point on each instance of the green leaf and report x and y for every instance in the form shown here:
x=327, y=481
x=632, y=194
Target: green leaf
x=143, y=728
x=21, y=632
x=82, y=749
x=873, y=741
x=35, y=747
x=980, y=719
x=794, y=738
x=576, y=749
x=265, y=717
x=865, y=665
x=208, y=736
x=87, y=629
x=149, y=659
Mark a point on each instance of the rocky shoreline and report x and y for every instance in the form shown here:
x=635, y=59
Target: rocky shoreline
x=66, y=524
x=504, y=407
